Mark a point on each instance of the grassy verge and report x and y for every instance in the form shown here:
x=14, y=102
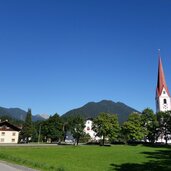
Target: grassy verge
x=90, y=158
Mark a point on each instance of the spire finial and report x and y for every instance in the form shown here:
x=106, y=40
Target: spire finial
x=159, y=52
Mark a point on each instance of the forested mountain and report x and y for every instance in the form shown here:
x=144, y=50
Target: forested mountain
x=18, y=114
x=92, y=109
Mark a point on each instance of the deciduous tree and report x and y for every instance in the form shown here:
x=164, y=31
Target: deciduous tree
x=106, y=126
x=132, y=129
x=77, y=128
x=52, y=128
x=150, y=124
x=164, y=124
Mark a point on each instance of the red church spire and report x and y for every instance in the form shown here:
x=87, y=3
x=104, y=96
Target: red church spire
x=161, y=82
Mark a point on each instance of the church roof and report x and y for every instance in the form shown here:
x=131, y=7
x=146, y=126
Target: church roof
x=161, y=82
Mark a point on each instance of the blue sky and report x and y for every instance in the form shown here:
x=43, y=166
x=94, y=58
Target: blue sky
x=60, y=54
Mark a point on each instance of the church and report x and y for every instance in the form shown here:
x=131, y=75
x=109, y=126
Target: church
x=163, y=98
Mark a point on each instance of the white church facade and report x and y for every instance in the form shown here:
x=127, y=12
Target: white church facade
x=88, y=130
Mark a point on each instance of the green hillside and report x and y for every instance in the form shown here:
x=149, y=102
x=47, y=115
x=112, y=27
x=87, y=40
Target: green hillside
x=92, y=109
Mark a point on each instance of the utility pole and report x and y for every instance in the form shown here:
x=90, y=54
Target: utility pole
x=39, y=133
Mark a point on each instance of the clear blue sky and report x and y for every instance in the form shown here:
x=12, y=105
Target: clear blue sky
x=60, y=54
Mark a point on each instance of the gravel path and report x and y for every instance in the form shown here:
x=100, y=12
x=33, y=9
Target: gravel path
x=4, y=166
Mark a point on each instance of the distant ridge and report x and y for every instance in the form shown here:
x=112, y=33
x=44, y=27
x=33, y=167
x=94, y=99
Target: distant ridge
x=18, y=114
x=92, y=109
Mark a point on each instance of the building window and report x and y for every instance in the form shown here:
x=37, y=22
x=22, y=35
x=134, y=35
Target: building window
x=88, y=128
x=13, y=134
x=4, y=126
x=2, y=133
x=2, y=140
x=164, y=101
x=164, y=92
x=13, y=140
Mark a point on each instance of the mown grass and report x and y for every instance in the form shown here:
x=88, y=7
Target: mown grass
x=90, y=158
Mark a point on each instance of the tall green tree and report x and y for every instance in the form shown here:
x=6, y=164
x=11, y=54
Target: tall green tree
x=52, y=129
x=106, y=126
x=132, y=129
x=164, y=124
x=114, y=127
x=150, y=124
x=27, y=130
x=77, y=128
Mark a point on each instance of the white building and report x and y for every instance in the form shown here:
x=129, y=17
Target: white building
x=88, y=130
x=8, y=133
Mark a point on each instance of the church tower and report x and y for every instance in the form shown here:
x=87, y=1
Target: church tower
x=163, y=99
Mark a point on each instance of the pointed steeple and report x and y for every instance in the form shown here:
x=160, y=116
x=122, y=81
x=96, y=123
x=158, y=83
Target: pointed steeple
x=161, y=82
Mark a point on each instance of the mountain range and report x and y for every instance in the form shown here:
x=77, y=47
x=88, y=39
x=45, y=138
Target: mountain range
x=92, y=109
x=19, y=114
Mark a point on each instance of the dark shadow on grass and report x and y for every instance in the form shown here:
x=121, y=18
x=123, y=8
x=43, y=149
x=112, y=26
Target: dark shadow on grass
x=157, y=145
x=159, y=160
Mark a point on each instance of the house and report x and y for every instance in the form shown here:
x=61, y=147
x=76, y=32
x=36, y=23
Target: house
x=8, y=133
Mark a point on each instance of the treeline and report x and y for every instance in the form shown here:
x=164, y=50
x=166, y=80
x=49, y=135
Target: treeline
x=140, y=127
x=144, y=127
x=51, y=130
x=14, y=121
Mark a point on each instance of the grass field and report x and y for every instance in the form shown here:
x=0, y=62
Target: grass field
x=90, y=158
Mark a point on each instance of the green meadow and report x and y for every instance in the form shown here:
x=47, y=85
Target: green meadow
x=90, y=158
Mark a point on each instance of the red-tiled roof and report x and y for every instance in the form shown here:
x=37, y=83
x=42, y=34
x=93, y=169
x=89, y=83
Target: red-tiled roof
x=161, y=82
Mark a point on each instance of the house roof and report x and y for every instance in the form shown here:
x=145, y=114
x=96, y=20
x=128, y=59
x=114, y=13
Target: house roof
x=161, y=82
x=11, y=126
x=91, y=119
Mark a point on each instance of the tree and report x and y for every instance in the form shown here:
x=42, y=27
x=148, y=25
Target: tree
x=132, y=129
x=77, y=128
x=52, y=128
x=67, y=125
x=106, y=126
x=164, y=124
x=27, y=130
x=150, y=124
x=35, y=134
x=114, y=127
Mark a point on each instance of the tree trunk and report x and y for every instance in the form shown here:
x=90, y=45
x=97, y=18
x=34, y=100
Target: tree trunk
x=103, y=142
x=78, y=140
x=166, y=140
x=27, y=139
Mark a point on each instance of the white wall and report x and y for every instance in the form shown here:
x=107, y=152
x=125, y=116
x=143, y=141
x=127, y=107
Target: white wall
x=9, y=137
x=88, y=130
x=163, y=96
